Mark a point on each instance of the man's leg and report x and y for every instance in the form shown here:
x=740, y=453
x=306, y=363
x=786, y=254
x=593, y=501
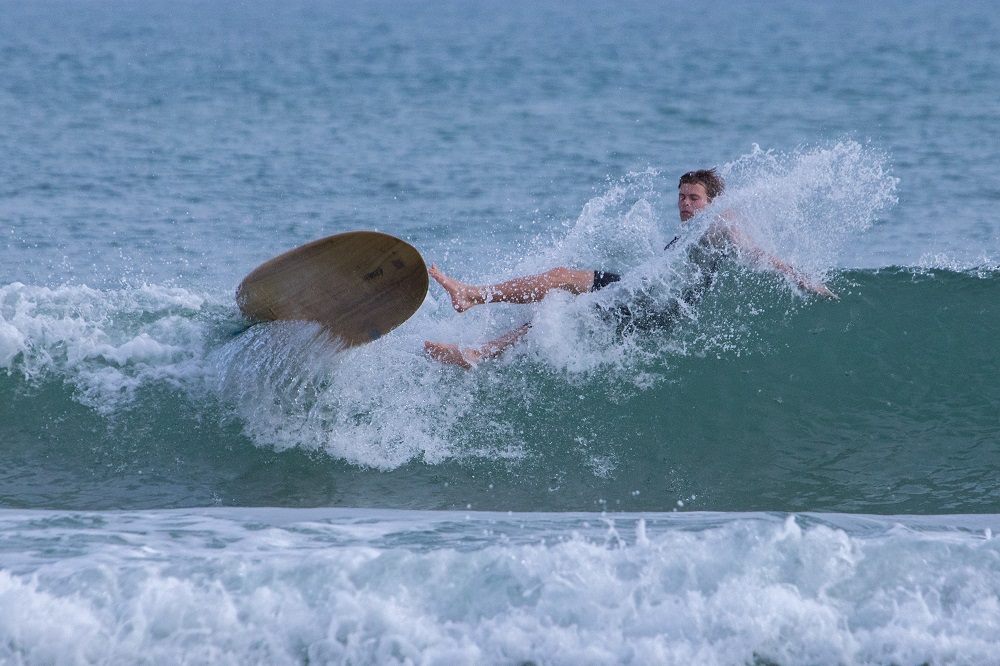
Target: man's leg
x=528, y=289
x=469, y=357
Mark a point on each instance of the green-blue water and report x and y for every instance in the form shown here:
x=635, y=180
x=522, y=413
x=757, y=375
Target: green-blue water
x=883, y=402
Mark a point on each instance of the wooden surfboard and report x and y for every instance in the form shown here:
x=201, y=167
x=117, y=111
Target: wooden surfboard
x=359, y=285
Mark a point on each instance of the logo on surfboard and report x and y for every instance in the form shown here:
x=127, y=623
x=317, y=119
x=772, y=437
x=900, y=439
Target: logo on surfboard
x=368, y=277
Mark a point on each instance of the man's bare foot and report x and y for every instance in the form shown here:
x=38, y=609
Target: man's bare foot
x=452, y=354
x=463, y=296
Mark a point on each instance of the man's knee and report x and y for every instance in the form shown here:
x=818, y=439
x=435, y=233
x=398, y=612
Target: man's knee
x=569, y=279
x=560, y=277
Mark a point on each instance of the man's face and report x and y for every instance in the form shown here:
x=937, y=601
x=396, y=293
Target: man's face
x=690, y=199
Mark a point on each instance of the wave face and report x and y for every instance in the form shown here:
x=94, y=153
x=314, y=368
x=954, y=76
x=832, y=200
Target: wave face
x=883, y=402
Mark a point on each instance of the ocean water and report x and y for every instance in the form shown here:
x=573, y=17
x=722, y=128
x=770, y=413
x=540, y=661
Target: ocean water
x=778, y=479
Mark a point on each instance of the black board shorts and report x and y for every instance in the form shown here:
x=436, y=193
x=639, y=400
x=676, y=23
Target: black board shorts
x=602, y=279
x=643, y=317
x=628, y=320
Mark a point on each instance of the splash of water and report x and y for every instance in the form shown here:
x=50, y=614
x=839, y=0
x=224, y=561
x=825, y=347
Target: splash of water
x=809, y=204
x=804, y=207
x=386, y=404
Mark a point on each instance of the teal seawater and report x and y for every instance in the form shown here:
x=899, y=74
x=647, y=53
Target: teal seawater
x=185, y=141
x=883, y=402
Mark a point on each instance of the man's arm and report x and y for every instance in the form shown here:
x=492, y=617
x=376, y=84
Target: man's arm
x=758, y=254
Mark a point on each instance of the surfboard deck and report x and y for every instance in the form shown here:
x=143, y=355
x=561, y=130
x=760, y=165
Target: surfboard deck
x=359, y=285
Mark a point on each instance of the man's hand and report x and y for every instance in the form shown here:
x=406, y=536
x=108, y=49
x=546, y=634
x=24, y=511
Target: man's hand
x=821, y=290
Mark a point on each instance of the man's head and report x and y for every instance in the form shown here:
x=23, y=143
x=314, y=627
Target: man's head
x=696, y=190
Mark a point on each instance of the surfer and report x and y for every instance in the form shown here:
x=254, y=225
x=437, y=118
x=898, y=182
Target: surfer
x=696, y=191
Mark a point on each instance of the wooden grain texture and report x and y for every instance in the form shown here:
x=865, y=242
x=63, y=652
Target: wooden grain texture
x=360, y=285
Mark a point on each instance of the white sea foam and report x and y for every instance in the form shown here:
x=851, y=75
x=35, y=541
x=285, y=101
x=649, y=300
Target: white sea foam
x=332, y=586
x=105, y=343
x=984, y=264
x=381, y=405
